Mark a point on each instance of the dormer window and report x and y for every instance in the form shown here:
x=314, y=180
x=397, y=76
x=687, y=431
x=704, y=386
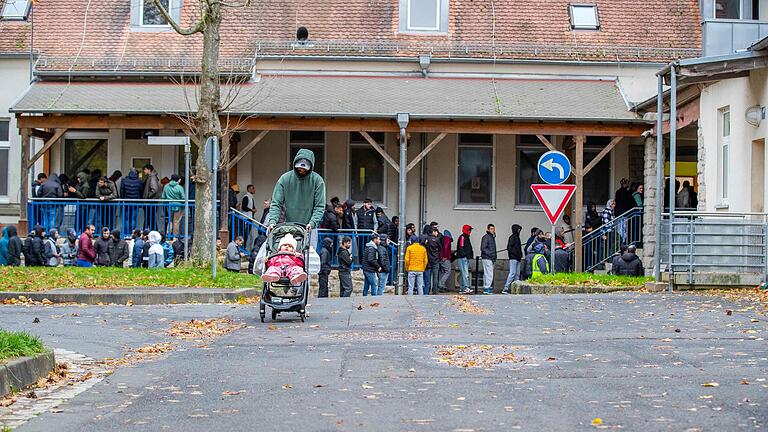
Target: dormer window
x=15, y=9
x=150, y=14
x=423, y=16
x=145, y=15
x=584, y=17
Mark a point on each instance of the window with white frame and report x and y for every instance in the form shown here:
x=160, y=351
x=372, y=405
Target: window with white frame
x=423, y=16
x=529, y=150
x=150, y=13
x=310, y=140
x=584, y=17
x=366, y=168
x=15, y=9
x=728, y=9
x=146, y=16
x=5, y=148
x=474, y=179
x=724, y=140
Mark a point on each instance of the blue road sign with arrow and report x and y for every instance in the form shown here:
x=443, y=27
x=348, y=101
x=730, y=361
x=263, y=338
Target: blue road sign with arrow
x=554, y=167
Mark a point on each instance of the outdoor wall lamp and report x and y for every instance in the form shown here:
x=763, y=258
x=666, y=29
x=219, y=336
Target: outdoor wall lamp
x=754, y=115
x=424, y=62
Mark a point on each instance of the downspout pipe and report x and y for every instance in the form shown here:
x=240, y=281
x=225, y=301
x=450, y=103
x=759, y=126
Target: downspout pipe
x=672, y=165
x=659, y=174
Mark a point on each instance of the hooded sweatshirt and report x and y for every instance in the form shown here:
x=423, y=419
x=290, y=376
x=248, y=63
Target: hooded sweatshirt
x=514, y=246
x=464, y=245
x=4, y=247
x=302, y=199
x=118, y=249
x=33, y=252
x=447, y=243
x=174, y=191
x=52, y=188
x=69, y=248
x=628, y=265
x=350, y=216
x=156, y=257
x=14, y=247
x=325, y=256
x=131, y=187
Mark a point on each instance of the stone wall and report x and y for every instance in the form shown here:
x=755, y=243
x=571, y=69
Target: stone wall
x=649, y=204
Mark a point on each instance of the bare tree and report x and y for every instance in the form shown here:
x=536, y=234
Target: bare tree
x=206, y=123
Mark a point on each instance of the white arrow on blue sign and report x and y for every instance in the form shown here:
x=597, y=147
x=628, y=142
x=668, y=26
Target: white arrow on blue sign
x=554, y=167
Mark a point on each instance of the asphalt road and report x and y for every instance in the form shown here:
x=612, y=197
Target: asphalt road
x=638, y=362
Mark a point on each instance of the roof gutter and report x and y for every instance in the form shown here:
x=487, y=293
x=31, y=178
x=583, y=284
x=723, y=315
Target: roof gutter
x=415, y=59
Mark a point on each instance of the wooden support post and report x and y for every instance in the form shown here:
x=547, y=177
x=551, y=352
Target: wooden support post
x=224, y=190
x=580, y=139
x=48, y=144
x=546, y=142
x=381, y=151
x=23, y=227
x=426, y=151
x=247, y=148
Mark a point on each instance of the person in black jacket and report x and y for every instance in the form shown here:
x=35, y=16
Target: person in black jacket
x=623, y=197
x=345, y=267
x=464, y=253
x=394, y=230
x=434, y=245
x=333, y=217
x=515, y=252
x=383, y=222
x=101, y=246
x=384, y=263
x=488, y=257
x=366, y=216
x=370, y=265
x=325, y=266
x=131, y=188
x=562, y=260
x=350, y=215
x=118, y=249
x=629, y=264
x=51, y=189
x=14, y=247
x=33, y=247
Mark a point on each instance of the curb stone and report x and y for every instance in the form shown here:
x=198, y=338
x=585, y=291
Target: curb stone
x=141, y=296
x=524, y=288
x=19, y=373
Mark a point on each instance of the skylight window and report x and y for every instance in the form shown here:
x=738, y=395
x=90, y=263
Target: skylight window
x=151, y=15
x=423, y=16
x=15, y=9
x=584, y=17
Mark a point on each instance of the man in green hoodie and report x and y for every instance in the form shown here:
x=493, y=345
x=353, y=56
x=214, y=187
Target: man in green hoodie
x=299, y=194
x=174, y=191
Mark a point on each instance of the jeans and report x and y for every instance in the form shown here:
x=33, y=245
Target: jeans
x=130, y=215
x=487, y=274
x=83, y=263
x=370, y=283
x=445, y=273
x=49, y=217
x=383, y=277
x=514, y=272
x=415, y=280
x=464, y=270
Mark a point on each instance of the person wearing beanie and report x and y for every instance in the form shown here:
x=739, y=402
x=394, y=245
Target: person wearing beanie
x=515, y=251
x=288, y=262
x=464, y=253
x=415, y=264
x=384, y=263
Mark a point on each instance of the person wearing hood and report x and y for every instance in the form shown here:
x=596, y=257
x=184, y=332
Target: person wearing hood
x=536, y=254
x=349, y=220
x=299, y=194
x=174, y=191
x=332, y=217
x=629, y=264
x=83, y=189
x=394, y=230
x=617, y=257
x=488, y=257
x=86, y=254
x=4, y=247
x=445, y=261
x=51, y=189
x=345, y=267
x=384, y=263
x=382, y=222
x=434, y=246
x=371, y=266
x=531, y=240
x=168, y=253
x=153, y=189
x=101, y=246
x=562, y=260
x=464, y=253
x=118, y=249
x=15, y=248
x=51, y=252
x=325, y=266
x=155, y=253
x=593, y=218
x=69, y=249
x=33, y=247
x=515, y=252
x=131, y=188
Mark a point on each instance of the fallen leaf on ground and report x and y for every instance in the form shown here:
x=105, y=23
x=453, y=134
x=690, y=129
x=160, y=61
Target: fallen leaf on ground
x=597, y=421
x=710, y=384
x=87, y=376
x=230, y=393
x=287, y=386
x=375, y=304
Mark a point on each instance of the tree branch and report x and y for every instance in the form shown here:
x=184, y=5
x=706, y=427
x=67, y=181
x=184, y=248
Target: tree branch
x=197, y=28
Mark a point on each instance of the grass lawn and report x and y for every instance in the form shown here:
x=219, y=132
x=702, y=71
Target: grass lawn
x=44, y=278
x=588, y=279
x=18, y=344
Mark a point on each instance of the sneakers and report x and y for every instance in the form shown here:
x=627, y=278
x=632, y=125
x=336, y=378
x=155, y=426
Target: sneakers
x=466, y=291
x=505, y=290
x=269, y=278
x=487, y=291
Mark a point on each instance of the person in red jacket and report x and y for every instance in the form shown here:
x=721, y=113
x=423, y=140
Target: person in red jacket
x=286, y=263
x=86, y=254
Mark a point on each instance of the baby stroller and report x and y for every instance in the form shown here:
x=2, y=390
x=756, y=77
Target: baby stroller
x=281, y=296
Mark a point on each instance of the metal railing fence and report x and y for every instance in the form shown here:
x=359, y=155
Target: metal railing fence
x=601, y=244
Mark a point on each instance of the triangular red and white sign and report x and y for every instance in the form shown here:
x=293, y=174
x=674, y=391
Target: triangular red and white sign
x=553, y=199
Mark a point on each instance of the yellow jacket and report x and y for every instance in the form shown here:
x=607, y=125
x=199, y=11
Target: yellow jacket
x=415, y=258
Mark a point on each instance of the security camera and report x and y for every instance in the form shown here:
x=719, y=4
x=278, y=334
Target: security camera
x=647, y=133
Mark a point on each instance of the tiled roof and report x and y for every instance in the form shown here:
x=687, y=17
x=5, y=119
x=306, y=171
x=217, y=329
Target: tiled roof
x=338, y=96
x=14, y=35
x=631, y=30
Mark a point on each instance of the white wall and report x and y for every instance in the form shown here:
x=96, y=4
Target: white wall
x=14, y=79
x=738, y=94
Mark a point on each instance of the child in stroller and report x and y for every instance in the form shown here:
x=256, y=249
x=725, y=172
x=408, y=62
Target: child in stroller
x=287, y=262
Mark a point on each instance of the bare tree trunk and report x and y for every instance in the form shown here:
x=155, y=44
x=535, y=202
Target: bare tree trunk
x=209, y=125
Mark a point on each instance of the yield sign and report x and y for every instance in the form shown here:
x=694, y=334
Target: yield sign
x=553, y=198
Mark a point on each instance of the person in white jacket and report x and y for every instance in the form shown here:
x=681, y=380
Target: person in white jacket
x=156, y=257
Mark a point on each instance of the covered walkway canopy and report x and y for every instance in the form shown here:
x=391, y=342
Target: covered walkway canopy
x=575, y=106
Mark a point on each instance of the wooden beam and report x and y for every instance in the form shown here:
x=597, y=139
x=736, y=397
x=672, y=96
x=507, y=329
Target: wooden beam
x=343, y=125
x=381, y=151
x=247, y=148
x=579, y=139
x=426, y=150
x=44, y=135
x=546, y=142
x=48, y=144
x=602, y=154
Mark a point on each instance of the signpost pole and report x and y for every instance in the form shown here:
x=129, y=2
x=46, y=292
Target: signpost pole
x=552, y=251
x=186, y=201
